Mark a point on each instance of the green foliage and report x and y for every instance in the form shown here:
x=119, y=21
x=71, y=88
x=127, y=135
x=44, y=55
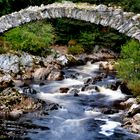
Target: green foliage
x=129, y=65
x=87, y=34
x=77, y=49
x=5, y=6
x=8, y=6
x=34, y=38
x=67, y=29
x=134, y=85
x=111, y=39
x=72, y=42
x=87, y=39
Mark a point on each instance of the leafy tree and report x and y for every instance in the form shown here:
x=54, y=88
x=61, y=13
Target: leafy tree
x=129, y=65
x=87, y=39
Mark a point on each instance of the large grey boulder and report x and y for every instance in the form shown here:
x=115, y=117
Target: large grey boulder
x=14, y=63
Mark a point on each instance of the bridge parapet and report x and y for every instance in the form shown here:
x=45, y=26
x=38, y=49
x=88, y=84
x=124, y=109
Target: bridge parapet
x=125, y=22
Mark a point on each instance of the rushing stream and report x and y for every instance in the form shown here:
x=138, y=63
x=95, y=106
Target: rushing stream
x=82, y=113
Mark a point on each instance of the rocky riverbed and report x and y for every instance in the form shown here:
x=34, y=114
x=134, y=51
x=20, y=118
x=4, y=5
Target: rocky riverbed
x=25, y=78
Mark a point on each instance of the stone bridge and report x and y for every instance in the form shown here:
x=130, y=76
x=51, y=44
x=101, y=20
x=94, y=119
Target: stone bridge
x=125, y=22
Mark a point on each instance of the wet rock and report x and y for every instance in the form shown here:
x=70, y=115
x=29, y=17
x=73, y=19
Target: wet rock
x=117, y=104
x=136, y=123
x=72, y=61
x=98, y=78
x=51, y=72
x=88, y=80
x=106, y=66
x=133, y=124
x=29, y=91
x=124, y=88
x=128, y=103
x=41, y=74
x=109, y=111
x=74, y=92
x=72, y=75
x=52, y=106
x=97, y=88
x=88, y=87
x=41, y=84
x=93, y=80
x=76, y=95
x=134, y=109
x=63, y=90
x=55, y=75
x=115, y=85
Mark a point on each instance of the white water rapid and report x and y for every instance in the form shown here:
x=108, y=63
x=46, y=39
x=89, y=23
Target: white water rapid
x=81, y=113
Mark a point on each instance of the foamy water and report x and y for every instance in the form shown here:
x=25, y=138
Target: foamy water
x=80, y=118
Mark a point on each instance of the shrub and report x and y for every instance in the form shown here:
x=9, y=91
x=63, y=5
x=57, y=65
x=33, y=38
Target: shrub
x=34, y=38
x=129, y=65
x=134, y=85
x=77, y=49
x=72, y=42
x=87, y=34
x=87, y=39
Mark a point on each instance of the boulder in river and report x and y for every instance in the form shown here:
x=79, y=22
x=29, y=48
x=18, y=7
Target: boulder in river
x=136, y=123
x=63, y=90
x=55, y=75
x=74, y=91
x=51, y=72
x=133, y=124
x=128, y=103
x=107, y=66
x=134, y=109
x=41, y=74
x=124, y=88
x=109, y=110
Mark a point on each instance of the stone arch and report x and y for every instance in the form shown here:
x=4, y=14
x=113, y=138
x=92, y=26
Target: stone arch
x=125, y=22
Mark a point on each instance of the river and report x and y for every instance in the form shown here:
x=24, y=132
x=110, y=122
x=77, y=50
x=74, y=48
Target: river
x=83, y=113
